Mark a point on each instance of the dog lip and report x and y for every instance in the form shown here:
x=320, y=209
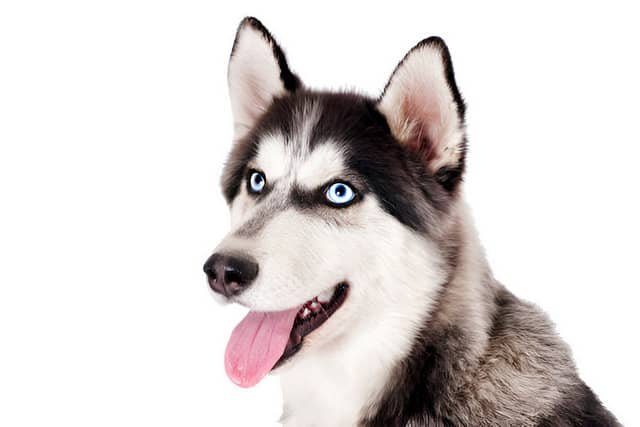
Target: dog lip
x=303, y=327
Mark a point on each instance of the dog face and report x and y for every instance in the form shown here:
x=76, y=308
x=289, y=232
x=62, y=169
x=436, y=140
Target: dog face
x=338, y=204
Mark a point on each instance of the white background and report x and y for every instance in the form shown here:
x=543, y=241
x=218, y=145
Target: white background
x=114, y=125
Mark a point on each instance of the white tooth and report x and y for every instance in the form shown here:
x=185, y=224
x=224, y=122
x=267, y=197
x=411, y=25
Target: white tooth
x=315, y=306
x=306, y=312
x=325, y=296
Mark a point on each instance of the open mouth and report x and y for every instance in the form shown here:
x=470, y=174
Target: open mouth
x=263, y=341
x=311, y=316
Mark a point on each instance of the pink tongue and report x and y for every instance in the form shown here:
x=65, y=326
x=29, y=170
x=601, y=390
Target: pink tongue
x=256, y=344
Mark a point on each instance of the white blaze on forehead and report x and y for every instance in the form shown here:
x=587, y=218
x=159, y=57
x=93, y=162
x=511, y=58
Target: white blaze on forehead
x=323, y=164
x=310, y=170
x=280, y=156
x=273, y=158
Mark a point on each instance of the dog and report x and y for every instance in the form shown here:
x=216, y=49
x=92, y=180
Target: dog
x=351, y=245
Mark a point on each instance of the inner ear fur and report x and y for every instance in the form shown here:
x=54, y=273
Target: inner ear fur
x=425, y=111
x=258, y=72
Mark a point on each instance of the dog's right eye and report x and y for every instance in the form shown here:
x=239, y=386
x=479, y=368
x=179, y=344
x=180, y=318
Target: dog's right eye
x=340, y=194
x=256, y=182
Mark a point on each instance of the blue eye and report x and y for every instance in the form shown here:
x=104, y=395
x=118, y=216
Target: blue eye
x=340, y=193
x=256, y=182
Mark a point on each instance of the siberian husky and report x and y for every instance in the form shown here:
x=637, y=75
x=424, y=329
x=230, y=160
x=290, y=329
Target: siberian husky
x=351, y=245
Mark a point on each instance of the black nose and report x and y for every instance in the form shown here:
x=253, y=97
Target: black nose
x=229, y=275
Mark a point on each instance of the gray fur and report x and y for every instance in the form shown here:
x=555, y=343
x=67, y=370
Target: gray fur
x=485, y=358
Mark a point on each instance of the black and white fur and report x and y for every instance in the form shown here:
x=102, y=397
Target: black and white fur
x=426, y=336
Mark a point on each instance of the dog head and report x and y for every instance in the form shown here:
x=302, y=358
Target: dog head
x=340, y=204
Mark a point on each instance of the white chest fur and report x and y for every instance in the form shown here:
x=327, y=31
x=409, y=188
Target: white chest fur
x=323, y=390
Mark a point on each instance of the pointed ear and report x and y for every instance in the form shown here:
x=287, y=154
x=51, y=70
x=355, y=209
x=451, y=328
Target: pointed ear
x=425, y=110
x=258, y=73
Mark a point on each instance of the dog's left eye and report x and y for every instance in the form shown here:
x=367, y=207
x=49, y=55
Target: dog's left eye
x=256, y=182
x=340, y=194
